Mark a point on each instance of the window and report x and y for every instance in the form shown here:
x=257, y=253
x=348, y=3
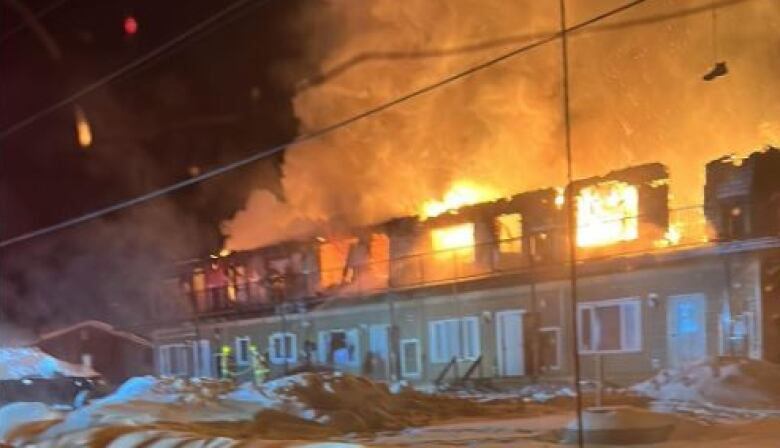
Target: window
x=410, y=357
x=334, y=257
x=242, y=350
x=550, y=348
x=509, y=230
x=454, y=338
x=340, y=347
x=613, y=326
x=454, y=242
x=173, y=360
x=607, y=213
x=281, y=347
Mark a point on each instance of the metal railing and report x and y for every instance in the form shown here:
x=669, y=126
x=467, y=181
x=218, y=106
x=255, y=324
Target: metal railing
x=542, y=248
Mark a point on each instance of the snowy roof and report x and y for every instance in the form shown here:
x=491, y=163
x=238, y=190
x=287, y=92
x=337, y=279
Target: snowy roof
x=95, y=324
x=17, y=363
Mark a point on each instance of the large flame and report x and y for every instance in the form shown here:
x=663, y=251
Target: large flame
x=636, y=103
x=454, y=241
x=461, y=194
x=607, y=213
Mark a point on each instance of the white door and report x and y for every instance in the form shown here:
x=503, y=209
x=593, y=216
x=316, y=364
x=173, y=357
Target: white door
x=509, y=339
x=686, y=329
x=379, y=346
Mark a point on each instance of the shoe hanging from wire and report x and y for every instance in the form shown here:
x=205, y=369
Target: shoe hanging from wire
x=719, y=68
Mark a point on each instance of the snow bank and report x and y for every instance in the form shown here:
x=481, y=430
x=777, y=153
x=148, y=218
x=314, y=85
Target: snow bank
x=722, y=381
x=20, y=362
x=308, y=406
x=15, y=414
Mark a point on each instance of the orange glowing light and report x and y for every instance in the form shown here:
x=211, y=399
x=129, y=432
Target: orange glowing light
x=607, y=213
x=83, y=129
x=560, y=197
x=672, y=236
x=462, y=193
x=454, y=241
x=334, y=256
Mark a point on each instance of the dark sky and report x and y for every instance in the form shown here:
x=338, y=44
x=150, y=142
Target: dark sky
x=221, y=95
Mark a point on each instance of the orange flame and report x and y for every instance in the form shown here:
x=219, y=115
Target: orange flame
x=457, y=240
x=607, y=213
x=461, y=193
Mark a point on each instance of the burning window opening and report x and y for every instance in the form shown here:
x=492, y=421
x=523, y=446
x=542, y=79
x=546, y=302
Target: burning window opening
x=334, y=255
x=607, y=213
x=461, y=193
x=560, y=197
x=379, y=257
x=454, y=241
x=510, y=233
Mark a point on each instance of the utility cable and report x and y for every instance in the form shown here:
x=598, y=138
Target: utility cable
x=312, y=135
x=136, y=63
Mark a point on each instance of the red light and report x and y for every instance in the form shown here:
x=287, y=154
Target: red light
x=131, y=25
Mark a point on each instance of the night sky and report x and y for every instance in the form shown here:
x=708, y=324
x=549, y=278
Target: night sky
x=221, y=95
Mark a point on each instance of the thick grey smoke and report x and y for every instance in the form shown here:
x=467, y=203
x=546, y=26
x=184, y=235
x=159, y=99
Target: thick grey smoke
x=637, y=96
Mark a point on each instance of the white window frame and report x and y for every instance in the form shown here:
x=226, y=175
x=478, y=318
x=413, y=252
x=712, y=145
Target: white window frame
x=286, y=357
x=242, y=357
x=437, y=357
x=404, y=371
x=201, y=358
x=622, y=303
x=326, y=336
x=558, y=347
x=164, y=359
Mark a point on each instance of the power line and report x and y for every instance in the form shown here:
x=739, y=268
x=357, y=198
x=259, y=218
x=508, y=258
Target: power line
x=38, y=15
x=136, y=63
x=373, y=56
x=312, y=135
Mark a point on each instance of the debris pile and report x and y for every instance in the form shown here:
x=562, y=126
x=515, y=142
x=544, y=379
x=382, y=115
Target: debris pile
x=721, y=381
x=308, y=406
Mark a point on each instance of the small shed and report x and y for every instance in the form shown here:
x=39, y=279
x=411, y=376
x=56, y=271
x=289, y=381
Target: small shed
x=116, y=355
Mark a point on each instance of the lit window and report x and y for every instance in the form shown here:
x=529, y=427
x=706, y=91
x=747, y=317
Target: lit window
x=610, y=326
x=454, y=241
x=607, y=213
x=509, y=228
x=333, y=262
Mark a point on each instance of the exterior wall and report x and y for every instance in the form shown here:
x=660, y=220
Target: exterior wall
x=116, y=358
x=733, y=280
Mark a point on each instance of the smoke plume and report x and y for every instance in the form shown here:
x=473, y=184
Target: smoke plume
x=637, y=96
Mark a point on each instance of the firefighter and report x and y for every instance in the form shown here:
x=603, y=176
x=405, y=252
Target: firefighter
x=259, y=365
x=227, y=364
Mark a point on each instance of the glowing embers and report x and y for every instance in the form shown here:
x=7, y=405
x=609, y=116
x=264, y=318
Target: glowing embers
x=607, y=213
x=454, y=242
x=462, y=193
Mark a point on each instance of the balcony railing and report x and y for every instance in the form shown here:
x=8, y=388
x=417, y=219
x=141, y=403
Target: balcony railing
x=542, y=248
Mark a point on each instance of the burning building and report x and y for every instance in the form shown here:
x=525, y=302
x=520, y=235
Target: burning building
x=476, y=287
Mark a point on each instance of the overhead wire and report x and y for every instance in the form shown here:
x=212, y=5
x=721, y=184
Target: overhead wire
x=41, y=13
x=312, y=135
x=187, y=37
x=132, y=65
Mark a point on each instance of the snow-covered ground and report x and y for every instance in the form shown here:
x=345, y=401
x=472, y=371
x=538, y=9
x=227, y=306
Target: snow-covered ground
x=344, y=410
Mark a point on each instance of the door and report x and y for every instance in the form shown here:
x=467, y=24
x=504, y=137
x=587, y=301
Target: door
x=686, y=329
x=379, y=347
x=509, y=339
